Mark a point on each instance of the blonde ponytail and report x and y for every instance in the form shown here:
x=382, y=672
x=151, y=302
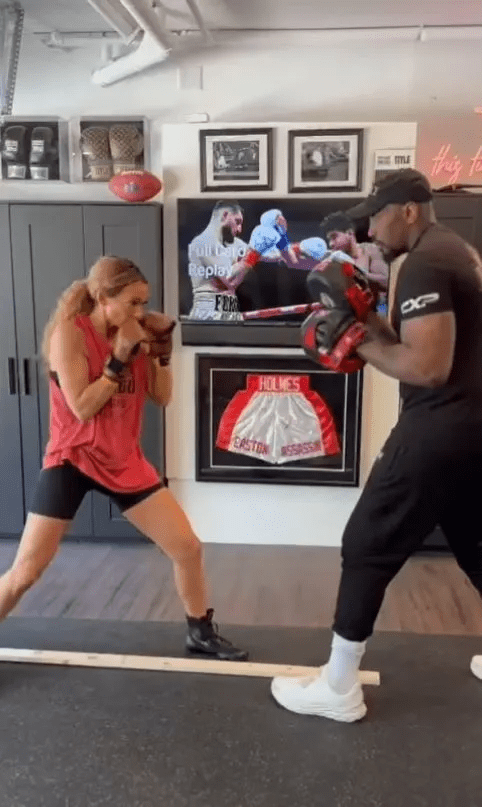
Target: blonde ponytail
x=75, y=300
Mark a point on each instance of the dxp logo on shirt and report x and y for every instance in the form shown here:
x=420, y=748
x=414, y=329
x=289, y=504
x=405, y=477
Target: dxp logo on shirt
x=418, y=303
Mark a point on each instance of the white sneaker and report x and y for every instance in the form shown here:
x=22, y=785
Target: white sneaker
x=476, y=666
x=314, y=696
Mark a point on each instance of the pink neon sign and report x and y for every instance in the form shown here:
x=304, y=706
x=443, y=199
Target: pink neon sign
x=448, y=163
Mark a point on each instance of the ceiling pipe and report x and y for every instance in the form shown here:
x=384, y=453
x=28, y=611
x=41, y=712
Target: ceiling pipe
x=149, y=21
x=443, y=31
x=116, y=15
x=207, y=36
x=420, y=33
x=437, y=33
x=172, y=12
x=385, y=32
x=80, y=36
x=153, y=48
x=147, y=54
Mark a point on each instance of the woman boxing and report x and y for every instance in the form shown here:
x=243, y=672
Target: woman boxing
x=104, y=355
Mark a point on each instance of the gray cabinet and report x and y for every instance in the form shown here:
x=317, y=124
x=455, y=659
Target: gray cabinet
x=11, y=473
x=49, y=246
x=463, y=214
x=47, y=255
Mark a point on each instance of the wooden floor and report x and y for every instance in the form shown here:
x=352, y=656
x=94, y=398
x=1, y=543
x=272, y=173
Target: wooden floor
x=251, y=585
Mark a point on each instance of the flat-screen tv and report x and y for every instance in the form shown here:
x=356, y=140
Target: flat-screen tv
x=208, y=251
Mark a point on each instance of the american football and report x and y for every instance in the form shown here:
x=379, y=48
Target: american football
x=135, y=186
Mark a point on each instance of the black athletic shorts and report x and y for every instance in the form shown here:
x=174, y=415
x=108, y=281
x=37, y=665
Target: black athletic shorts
x=60, y=491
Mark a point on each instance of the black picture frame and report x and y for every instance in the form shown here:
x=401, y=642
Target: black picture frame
x=270, y=285
x=228, y=405
x=260, y=161
x=306, y=178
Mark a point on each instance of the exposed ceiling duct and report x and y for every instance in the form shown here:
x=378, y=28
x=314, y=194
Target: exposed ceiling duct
x=117, y=16
x=148, y=21
x=139, y=20
x=147, y=54
x=197, y=16
x=139, y=26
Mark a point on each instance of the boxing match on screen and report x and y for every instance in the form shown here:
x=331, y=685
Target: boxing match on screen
x=252, y=259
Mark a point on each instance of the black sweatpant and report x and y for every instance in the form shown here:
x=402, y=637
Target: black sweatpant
x=428, y=474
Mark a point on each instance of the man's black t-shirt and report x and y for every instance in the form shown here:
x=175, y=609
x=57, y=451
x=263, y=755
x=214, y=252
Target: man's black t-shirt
x=441, y=273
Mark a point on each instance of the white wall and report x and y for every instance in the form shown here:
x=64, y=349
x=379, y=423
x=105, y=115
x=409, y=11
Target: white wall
x=261, y=513
x=277, y=77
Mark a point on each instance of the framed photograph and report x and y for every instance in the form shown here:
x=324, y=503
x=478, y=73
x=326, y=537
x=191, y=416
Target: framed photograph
x=236, y=159
x=388, y=160
x=276, y=419
x=327, y=160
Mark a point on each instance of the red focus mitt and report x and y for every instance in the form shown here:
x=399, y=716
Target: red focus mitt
x=342, y=286
x=331, y=338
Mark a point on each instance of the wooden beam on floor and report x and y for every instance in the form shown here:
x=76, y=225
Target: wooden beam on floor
x=116, y=661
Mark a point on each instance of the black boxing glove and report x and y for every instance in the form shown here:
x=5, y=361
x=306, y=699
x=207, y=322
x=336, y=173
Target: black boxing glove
x=42, y=152
x=13, y=151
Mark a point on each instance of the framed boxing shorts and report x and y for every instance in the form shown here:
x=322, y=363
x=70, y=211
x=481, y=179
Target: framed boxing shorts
x=278, y=419
x=275, y=419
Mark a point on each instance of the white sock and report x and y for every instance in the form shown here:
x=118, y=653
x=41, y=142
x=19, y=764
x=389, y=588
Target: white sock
x=344, y=663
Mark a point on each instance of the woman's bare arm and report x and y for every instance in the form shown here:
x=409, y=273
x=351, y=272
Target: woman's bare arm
x=68, y=359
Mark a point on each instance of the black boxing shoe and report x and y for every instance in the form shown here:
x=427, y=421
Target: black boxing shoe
x=203, y=637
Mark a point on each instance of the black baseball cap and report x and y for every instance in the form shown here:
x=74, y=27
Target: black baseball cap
x=396, y=188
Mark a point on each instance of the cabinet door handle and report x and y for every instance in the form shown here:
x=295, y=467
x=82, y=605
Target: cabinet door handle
x=12, y=376
x=26, y=376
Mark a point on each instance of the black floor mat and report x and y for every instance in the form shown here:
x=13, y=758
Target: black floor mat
x=74, y=737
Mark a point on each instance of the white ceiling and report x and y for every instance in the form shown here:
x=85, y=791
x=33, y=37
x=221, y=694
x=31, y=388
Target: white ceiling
x=78, y=15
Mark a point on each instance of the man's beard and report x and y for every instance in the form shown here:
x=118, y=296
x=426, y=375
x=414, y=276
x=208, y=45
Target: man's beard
x=227, y=236
x=390, y=253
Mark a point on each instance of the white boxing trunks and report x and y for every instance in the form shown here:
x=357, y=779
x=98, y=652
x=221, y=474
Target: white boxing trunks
x=212, y=305
x=278, y=419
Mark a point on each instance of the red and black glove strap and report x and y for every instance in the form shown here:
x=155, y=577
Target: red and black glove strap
x=342, y=358
x=348, y=365
x=347, y=345
x=361, y=299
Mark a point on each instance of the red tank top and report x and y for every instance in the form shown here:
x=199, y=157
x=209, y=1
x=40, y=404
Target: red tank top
x=106, y=447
